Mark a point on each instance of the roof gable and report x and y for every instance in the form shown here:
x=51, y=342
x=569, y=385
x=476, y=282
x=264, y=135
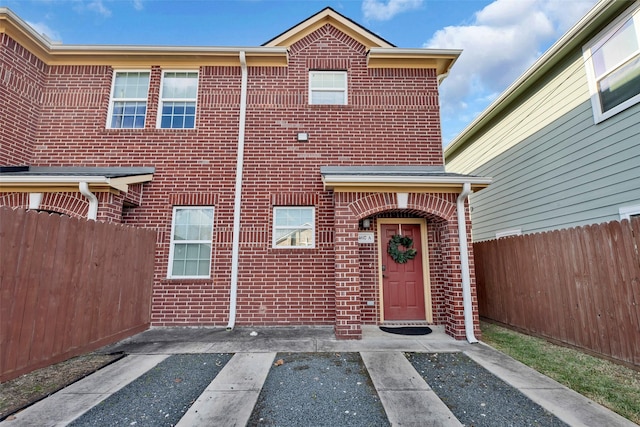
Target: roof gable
x=328, y=16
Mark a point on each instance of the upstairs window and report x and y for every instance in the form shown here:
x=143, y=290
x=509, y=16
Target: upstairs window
x=178, y=100
x=328, y=87
x=128, y=106
x=293, y=227
x=613, y=66
x=191, y=237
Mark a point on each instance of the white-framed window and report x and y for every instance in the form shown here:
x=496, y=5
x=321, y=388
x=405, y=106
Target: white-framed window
x=294, y=227
x=612, y=61
x=178, y=94
x=328, y=87
x=128, y=105
x=191, y=237
x=628, y=212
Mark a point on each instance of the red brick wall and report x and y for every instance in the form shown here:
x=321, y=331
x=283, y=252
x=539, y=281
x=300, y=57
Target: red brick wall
x=392, y=117
x=21, y=81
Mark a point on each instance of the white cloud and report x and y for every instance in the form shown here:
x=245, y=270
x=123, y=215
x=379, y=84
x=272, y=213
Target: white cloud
x=504, y=39
x=45, y=30
x=137, y=5
x=378, y=10
x=99, y=7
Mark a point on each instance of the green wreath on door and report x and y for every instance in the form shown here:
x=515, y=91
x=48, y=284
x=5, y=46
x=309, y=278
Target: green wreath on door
x=399, y=255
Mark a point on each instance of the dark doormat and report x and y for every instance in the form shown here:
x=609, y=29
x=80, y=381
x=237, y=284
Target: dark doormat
x=407, y=330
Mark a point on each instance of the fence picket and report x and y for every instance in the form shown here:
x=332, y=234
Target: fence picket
x=579, y=286
x=75, y=285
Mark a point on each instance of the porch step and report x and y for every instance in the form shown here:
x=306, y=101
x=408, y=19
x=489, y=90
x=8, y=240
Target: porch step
x=397, y=323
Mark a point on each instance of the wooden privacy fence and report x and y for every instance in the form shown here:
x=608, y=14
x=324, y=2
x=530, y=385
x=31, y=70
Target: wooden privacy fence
x=68, y=286
x=579, y=286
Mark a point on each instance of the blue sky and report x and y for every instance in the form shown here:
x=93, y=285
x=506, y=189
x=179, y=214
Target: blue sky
x=500, y=38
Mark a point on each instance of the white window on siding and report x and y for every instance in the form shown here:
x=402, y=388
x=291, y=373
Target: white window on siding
x=507, y=233
x=178, y=100
x=328, y=87
x=629, y=212
x=128, y=106
x=191, y=236
x=612, y=61
x=294, y=227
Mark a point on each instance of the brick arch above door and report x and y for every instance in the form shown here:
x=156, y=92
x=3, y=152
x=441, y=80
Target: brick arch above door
x=441, y=205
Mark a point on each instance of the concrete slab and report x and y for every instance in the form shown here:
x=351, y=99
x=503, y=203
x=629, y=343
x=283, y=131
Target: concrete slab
x=569, y=406
x=285, y=339
x=231, y=396
x=220, y=408
x=392, y=371
x=264, y=346
x=69, y=403
x=575, y=409
x=416, y=408
x=505, y=367
x=370, y=344
x=406, y=397
x=446, y=346
x=245, y=371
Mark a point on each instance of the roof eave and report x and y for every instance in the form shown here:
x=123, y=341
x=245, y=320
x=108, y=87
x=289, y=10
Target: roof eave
x=54, y=53
x=424, y=183
x=438, y=59
x=38, y=183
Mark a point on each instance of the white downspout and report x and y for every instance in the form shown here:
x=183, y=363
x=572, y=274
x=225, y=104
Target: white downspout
x=235, y=246
x=464, y=264
x=93, y=201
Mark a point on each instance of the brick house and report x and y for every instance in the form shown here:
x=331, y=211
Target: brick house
x=276, y=176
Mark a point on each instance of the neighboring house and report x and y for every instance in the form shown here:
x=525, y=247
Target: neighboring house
x=276, y=176
x=562, y=143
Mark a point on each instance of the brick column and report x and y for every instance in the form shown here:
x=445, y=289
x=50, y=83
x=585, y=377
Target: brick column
x=347, y=272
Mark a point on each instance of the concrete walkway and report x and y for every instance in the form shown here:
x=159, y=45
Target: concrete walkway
x=229, y=399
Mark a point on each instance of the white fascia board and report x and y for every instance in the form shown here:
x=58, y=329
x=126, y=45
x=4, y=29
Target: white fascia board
x=415, y=51
x=367, y=179
x=119, y=183
x=166, y=49
x=49, y=179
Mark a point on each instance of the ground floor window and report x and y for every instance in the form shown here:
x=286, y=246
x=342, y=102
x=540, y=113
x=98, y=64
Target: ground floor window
x=293, y=227
x=191, y=237
x=629, y=212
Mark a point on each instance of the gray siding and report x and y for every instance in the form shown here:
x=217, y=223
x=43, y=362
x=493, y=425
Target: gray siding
x=567, y=174
x=552, y=167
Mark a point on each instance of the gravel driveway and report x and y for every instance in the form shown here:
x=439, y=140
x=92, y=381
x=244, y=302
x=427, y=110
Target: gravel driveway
x=475, y=396
x=318, y=389
x=159, y=397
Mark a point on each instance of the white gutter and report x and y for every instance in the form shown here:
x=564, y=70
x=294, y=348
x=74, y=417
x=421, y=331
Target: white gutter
x=119, y=183
x=93, y=200
x=464, y=264
x=91, y=179
x=416, y=51
x=235, y=246
x=404, y=179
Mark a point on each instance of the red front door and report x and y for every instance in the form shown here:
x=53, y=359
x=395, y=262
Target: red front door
x=402, y=283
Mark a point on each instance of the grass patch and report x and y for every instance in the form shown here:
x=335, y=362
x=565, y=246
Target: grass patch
x=611, y=385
